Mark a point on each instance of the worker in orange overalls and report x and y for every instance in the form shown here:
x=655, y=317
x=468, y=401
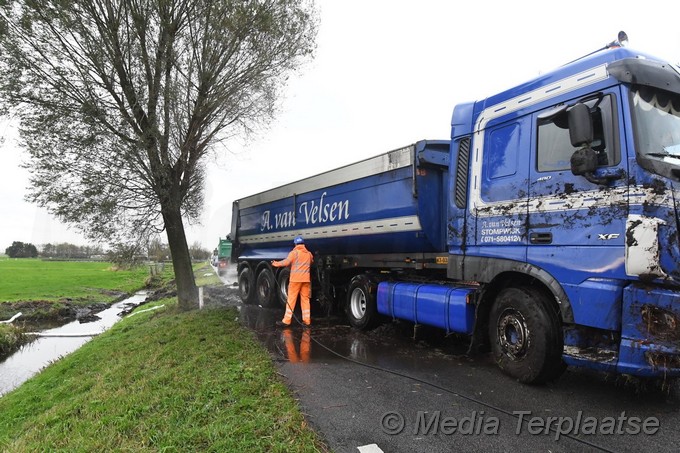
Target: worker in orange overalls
x=300, y=282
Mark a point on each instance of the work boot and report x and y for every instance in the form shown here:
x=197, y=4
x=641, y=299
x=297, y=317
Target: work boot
x=282, y=324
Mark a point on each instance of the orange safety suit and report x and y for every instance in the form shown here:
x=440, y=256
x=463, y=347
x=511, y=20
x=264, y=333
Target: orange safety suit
x=300, y=282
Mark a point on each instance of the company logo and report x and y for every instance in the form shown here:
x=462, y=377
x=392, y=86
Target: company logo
x=312, y=212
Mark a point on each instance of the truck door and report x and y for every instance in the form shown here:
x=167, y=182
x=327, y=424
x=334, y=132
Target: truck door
x=575, y=224
x=500, y=188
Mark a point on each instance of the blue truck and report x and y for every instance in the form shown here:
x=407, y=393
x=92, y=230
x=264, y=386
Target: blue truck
x=545, y=229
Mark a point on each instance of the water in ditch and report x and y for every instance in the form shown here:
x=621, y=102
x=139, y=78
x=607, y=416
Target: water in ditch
x=56, y=343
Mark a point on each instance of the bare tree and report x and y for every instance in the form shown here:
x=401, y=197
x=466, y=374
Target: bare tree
x=157, y=250
x=198, y=252
x=120, y=101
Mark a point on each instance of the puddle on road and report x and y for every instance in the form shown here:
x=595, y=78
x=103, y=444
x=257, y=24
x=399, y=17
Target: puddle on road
x=33, y=357
x=391, y=345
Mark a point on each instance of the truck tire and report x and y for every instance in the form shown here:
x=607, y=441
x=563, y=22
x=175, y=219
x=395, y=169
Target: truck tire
x=526, y=336
x=265, y=288
x=282, y=288
x=246, y=285
x=360, y=308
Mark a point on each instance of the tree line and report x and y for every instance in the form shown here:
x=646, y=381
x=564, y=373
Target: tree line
x=21, y=250
x=154, y=250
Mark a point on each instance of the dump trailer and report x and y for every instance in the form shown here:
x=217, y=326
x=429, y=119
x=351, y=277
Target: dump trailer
x=545, y=229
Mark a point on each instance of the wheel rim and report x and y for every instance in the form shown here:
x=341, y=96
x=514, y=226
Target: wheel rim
x=513, y=334
x=282, y=287
x=283, y=290
x=245, y=288
x=265, y=289
x=358, y=303
x=244, y=285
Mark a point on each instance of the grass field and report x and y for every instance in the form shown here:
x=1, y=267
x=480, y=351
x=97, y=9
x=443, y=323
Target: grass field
x=163, y=380
x=32, y=279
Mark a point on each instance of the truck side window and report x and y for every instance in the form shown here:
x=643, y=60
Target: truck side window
x=554, y=146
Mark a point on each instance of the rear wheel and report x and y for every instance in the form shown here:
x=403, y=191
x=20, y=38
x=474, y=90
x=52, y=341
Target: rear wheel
x=246, y=285
x=266, y=288
x=526, y=335
x=282, y=291
x=360, y=307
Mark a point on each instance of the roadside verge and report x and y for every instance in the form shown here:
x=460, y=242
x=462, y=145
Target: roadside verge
x=162, y=380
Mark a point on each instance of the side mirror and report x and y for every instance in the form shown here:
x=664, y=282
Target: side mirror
x=584, y=159
x=583, y=162
x=580, y=125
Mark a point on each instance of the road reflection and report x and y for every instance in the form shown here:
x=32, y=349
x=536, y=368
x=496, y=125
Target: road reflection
x=391, y=345
x=297, y=351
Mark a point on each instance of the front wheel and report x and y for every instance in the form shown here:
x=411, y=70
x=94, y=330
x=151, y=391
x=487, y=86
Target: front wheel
x=526, y=335
x=360, y=307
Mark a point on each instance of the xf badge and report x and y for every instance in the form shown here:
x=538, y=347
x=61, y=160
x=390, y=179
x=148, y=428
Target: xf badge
x=607, y=237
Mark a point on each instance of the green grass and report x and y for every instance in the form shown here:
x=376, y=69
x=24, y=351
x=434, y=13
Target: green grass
x=32, y=279
x=205, y=275
x=159, y=381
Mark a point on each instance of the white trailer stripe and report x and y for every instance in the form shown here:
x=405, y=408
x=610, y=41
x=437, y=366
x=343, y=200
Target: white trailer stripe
x=380, y=226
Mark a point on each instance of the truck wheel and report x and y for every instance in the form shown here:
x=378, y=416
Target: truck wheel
x=266, y=288
x=246, y=285
x=526, y=336
x=282, y=281
x=361, y=307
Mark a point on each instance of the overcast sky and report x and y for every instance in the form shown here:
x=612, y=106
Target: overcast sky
x=387, y=73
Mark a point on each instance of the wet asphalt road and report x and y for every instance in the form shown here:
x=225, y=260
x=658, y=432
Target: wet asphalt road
x=385, y=390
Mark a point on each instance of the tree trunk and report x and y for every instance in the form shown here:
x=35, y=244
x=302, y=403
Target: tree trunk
x=187, y=293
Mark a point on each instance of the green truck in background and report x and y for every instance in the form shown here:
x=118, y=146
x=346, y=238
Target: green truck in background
x=221, y=255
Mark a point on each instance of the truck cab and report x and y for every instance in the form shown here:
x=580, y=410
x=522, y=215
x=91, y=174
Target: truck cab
x=568, y=185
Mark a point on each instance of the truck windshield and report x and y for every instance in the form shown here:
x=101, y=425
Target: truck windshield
x=657, y=124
